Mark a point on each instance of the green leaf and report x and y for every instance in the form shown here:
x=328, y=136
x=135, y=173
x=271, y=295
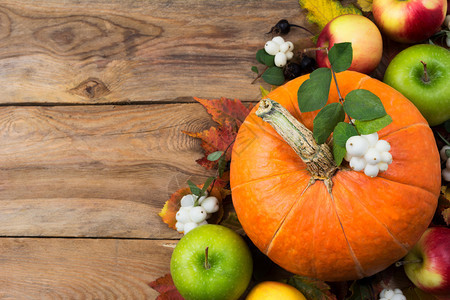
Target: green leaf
x=338, y=153
x=447, y=125
x=340, y=56
x=326, y=120
x=313, y=93
x=222, y=165
x=311, y=288
x=194, y=189
x=363, y=105
x=208, y=182
x=266, y=59
x=215, y=155
x=273, y=75
x=447, y=152
x=361, y=290
x=255, y=69
x=342, y=132
x=368, y=127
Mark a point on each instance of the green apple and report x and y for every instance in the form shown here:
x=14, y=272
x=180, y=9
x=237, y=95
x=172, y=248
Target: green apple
x=211, y=262
x=422, y=74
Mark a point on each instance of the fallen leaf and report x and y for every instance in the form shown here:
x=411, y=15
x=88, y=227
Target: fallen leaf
x=166, y=288
x=361, y=290
x=215, y=139
x=311, y=288
x=446, y=216
x=414, y=293
x=225, y=111
x=366, y=5
x=321, y=12
x=229, y=115
x=172, y=205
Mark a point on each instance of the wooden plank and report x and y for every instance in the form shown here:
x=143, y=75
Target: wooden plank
x=81, y=268
x=97, y=171
x=102, y=51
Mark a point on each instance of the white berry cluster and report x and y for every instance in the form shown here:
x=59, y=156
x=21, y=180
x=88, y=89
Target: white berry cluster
x=444, y=157
x=281, y=49
x=191, y=215
x=368, y=153
x=389, y=294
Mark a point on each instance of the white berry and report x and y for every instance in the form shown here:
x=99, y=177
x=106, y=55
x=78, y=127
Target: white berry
x=446, y=174
x=200, y=200
x=211, y=205
x=198, y=214
x=372, y=156
x=284, y=47
x=347, y=156
x=272, y=48
x=371, y=170
x=371, y=138
x=386, y=157
x=289, y=55
x=187, y=200
x=356, y=146
x=204, y=222
x=291, y=46
x=382, y=166
x=398, y=291
x=182, y=215
x=357, y=163
x=398, y=297
x=382, y=298
x=280, y=59
x=442, y=152
x=189, y=226
x=382, y=146
x=279, y=40
x=179, y=226
x=388, y=294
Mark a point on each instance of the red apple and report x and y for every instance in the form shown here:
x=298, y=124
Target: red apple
x=427, y=265
x=409, y=21
x=361, y=32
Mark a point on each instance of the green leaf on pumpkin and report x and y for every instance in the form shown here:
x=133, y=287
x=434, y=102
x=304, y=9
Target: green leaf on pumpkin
x=311, y=288
x=363, y=105
x=368, y=127
x=326, y=120
x=342, y=132
x=313, y=93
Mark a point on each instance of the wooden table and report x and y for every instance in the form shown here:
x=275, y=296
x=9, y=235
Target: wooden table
x=94, y=96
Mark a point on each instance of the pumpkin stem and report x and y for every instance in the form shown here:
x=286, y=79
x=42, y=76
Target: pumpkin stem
x=318, y=158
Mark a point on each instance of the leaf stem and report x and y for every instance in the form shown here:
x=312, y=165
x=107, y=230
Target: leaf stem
x=260, y=74
x=218, y=168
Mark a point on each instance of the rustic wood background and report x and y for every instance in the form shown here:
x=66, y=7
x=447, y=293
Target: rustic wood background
x=93, y=97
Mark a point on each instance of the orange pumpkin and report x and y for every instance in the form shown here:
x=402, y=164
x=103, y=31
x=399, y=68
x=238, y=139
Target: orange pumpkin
x=361, y=227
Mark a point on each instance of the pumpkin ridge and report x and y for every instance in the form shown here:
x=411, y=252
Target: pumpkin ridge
x=358, y=268
x=395, y=239
x=269, y=246
x=265, y=178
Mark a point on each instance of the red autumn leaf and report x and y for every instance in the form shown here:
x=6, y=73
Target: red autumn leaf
x=229, y=115
x=225, y=111
x=214, y=139
x=166, y=288
x=172, y=205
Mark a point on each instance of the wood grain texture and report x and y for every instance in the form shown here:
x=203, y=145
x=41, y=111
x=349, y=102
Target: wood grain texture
x=81, y=269
x=98, y=171
x=126, y=51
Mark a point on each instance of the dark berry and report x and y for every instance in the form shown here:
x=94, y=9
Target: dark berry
x=282, y=27
x=292, y=70
x=308, y=64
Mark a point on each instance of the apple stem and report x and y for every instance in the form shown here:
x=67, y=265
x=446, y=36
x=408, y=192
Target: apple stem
x=425, y=77
x=404, y=262
x=207, y=265
x=315, y=49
